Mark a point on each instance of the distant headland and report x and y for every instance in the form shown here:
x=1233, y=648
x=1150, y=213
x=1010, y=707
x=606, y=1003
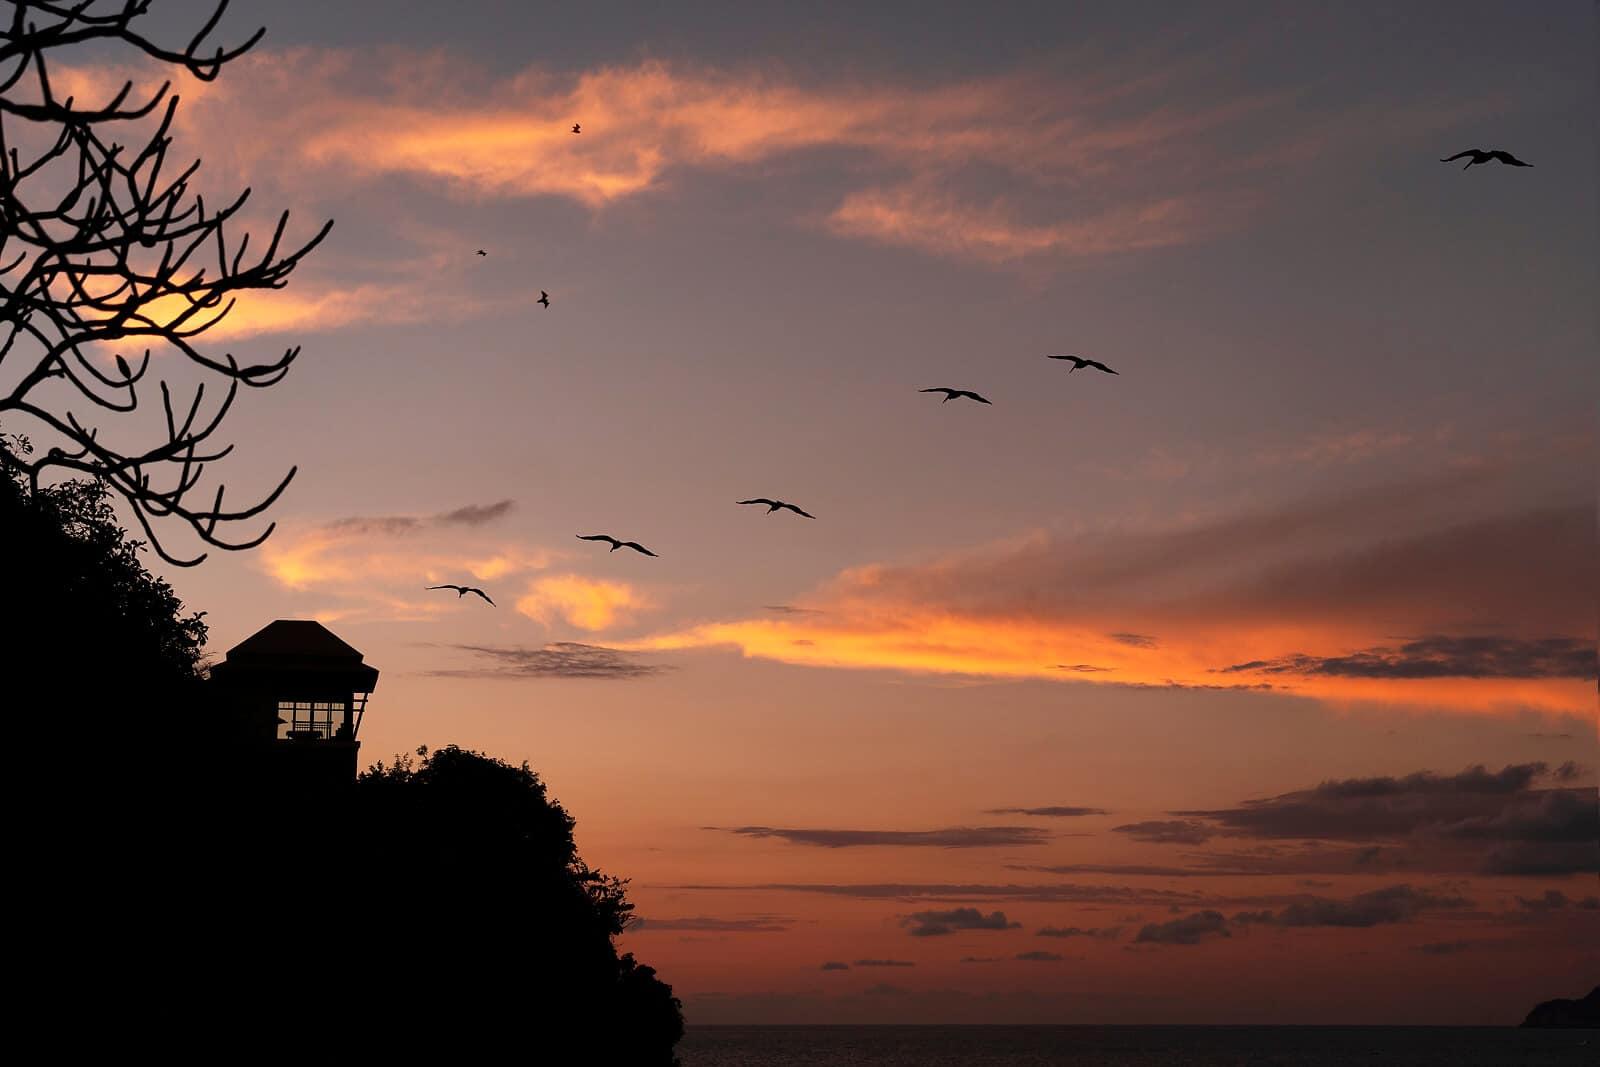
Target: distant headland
x=1583, y=1013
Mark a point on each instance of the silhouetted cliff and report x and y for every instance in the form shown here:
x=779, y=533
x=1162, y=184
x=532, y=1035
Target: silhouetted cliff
x=436, y=906
x=1584, y=1013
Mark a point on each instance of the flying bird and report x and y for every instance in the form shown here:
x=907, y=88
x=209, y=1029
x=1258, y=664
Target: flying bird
x=1078, y=363
x=544, y=298
x=615, y=544
x=951, y=394
x=774, y=505
x=576, y=128
x=463, y=590
x=1480, y=156
x=481, y=252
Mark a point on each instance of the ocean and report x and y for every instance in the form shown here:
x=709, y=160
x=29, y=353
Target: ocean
x=1134, y=1046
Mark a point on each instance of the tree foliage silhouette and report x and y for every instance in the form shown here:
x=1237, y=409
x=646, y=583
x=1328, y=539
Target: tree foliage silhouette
x=511, y=933
x=86, y=592
x=109, y=642
x=102, y=246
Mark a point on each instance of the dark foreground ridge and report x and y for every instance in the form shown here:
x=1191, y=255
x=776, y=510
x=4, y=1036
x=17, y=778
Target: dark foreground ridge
x=202, y=866
x=1575, y=1014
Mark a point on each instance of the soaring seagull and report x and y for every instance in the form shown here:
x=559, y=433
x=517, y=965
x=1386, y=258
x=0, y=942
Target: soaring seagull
x=951, y=394
x=481, y=252
x=1078, y=363
x=463, y=590
x=1480, y=156
x=544, y=298
x=774, y=505
x=615, y=544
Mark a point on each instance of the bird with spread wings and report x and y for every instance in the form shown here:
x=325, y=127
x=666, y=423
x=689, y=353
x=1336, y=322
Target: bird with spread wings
x=463, y=590
x=615, y=544
x=774, y=505
x=1480, y=156
x=1078, y=363
x=951, y=394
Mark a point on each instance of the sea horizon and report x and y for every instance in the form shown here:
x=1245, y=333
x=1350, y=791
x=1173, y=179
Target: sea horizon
x=1139, y=1045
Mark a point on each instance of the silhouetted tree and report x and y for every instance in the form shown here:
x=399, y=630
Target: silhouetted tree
x=100, y=247
x=85, y=607
x=508, y=934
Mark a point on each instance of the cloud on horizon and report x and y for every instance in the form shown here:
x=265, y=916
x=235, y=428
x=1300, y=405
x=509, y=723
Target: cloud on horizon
x=1055, y=812
x=1495, y=822
x=1441, y=656
x=560, y=659
x=1556, y=900
x=1393, y=904
x=763, y=925
x=942, y=923
x=1107, y=933
x=1326, y=579
x=1058, y=893
x=1167, y=832
x=949, y=837
x=1189, y=930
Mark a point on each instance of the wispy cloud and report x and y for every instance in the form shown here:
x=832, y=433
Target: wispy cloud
x=1167, y=831
x=1060, y=811
x=560, y=659
x=936, y=221
x=1446, y=948
x=1498, y=822
x=942, y=923
x=1443, y=656
x=1393, y=904
x=303, y=307
x=1058, y=893
x=1106, y=933
x=377, y=565
x=1556, y=900
x=1243, y=594
x=1189, y=930
x=949, y=837
x=1093, y=158
x=765, y=924
x=475, y=514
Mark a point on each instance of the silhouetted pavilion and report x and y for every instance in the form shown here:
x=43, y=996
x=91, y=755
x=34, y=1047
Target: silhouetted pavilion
x=292, y=696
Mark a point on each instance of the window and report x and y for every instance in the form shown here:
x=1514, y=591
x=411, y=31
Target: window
x=305, y=719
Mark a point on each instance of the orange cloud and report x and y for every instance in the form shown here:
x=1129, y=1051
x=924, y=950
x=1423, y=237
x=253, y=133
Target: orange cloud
x=935, y=222
x=591, y=604
x=262, y=311
x=1392, y=595
x=377, y=567
x=1135, y=155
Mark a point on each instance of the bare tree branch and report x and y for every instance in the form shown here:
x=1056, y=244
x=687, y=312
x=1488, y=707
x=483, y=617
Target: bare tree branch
x=101, y=246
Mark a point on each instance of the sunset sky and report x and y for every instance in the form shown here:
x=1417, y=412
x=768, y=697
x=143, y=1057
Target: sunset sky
x=1253, y=684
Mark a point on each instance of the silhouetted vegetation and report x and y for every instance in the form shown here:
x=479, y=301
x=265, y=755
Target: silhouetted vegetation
x=89, y=601
x=462, y=877
x=145, y=844
x=519, y=922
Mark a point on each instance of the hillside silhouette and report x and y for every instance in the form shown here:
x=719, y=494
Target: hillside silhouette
x=1582, y=1013
x=439, y=898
